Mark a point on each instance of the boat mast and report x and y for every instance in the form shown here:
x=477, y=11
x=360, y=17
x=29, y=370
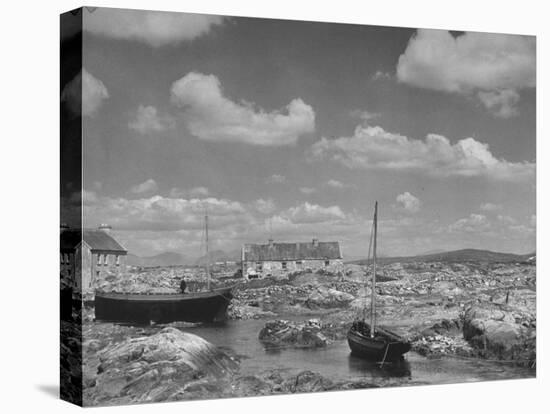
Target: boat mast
x=207, y=257
x=373, y=287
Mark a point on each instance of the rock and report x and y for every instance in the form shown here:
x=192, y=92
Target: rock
x=157, y=367
x=493, y=329
x=307, y=381
x=324, y=297
x=281, y=333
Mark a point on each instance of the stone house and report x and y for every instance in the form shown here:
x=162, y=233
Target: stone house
x=278, y=259
x=88, y=255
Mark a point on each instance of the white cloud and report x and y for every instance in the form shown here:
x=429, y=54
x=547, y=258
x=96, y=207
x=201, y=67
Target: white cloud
x=364, y=115
x=338, y=184
x=501, y=103
x=192, y=192
x=308, y=190
x=264, y=206
x=313, y=213
x=85, y=94
x=154, y=28
x=381, y=75
x=375, y=148
x=407, y=202
x=159, y=213
x=211, y=116
x=492, y=65
x=472, y=224
x=490, y=207
x=148, y=186
x=147, y=120
x=276, y=178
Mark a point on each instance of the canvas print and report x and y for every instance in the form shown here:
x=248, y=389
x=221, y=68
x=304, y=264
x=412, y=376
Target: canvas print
x=253, y=206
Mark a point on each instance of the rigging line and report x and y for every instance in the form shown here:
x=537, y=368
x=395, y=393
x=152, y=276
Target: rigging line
x=366, y=272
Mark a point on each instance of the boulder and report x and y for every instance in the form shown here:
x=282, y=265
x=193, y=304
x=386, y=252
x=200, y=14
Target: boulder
x=157, y=367
x=323, y=297
x=281, y=333
x=492, y=329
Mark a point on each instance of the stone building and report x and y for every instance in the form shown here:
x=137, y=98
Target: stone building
x=277, y=259
x=88, y=255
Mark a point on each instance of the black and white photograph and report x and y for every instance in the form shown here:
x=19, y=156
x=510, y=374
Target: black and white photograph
x=261, y=206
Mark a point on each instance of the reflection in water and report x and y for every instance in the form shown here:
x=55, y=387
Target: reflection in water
x=396, y=368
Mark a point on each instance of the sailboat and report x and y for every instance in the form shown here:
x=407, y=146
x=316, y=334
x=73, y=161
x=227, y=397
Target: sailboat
x=368, y=340
x=208, y=306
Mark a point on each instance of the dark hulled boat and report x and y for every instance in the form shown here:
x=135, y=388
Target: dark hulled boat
x=207, y=306
x=368, y=340
x=385, y=345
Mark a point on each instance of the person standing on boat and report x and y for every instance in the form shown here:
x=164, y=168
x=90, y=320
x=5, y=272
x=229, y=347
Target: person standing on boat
x=183, y=285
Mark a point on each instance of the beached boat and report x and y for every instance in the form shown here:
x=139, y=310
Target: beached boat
x=205, y=306
x=367, y=340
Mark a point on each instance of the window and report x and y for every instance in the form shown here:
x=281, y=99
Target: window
x=117, y=260
x=67, y=261
x=68, y=272
x=283, y=265
x=105, y=261
x=327, y=262
x=99, y=257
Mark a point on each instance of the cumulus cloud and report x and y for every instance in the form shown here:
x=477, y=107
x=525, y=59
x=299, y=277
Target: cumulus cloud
x=308, y=190
x=159, y=213
x=147, y=120
x=264, y=206
x=381, y=75
x=85, y=94
x=313, y=213
x=502, y=103
x=364, y=115
x=472, y=224
x=276, y=178
x=192, y=192
x=493, y=66
x=154, y=28
x=211, y=116
x=148, y=186
x=491, y=207
x=374, y=148
x=332, y=183
x=407, y=202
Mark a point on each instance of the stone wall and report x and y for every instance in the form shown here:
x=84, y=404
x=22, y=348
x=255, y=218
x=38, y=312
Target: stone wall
x=281, y=268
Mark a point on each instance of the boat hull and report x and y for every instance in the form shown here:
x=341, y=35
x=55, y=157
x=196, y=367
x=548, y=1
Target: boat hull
x=384, y=346
x=163, y=308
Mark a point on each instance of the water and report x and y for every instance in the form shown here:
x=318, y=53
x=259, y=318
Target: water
x=336, y=363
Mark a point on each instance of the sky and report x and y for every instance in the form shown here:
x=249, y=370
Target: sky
x=293, y=129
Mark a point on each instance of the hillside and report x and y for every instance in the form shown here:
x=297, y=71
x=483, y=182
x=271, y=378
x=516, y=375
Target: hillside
x=162, y=259
x=219, y=256
x=457, y=256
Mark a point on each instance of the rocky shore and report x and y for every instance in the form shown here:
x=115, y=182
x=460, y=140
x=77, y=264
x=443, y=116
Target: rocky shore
x=484, y=311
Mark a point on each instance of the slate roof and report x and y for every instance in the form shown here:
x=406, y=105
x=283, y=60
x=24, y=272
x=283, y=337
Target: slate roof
x=292, y=251
x=98, y=240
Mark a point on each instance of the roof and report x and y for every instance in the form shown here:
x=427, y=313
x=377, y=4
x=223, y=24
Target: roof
x=96, y=239
x=292, y=251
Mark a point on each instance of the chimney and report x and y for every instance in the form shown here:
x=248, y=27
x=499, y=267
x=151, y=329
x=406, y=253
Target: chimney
x=315, y=242
x=270, y=242
x=105, y=227
x=63, y=227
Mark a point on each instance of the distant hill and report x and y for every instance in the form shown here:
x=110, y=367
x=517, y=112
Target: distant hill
x=219, y=256
x=162, y=259
x=457, y=256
